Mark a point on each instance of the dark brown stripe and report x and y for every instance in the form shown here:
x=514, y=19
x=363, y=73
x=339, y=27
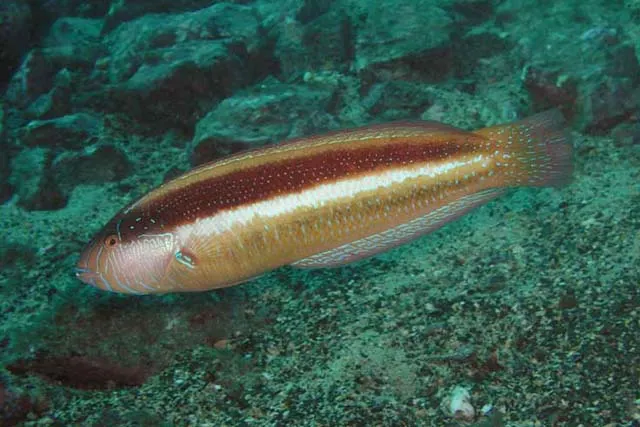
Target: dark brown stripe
x=209, y=196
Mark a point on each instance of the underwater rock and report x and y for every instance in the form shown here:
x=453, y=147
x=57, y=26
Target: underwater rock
x=30, y=177
x=269, y=112
x=128, y=10
x=168, y=69
x=550, y=89
x=626, y=134
x=622, y=62
x=5, y=163
x=95, y=165
x=384, y=40
x=597, y=76
x=68, y=51
x=458, y=405
x=371, y=36
x=46, y=12
x=15, y=30
x=390, y=30
x=308, y=10
x=607, y=104
x=34, y=78
x=397, y=100
x=588, y=67
x=602, y=95
x=56, y=102
x=71, y=132
x=73, y=42
x=325, y=43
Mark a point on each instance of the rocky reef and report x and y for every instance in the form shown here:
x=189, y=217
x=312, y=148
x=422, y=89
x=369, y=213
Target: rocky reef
x=523, y=313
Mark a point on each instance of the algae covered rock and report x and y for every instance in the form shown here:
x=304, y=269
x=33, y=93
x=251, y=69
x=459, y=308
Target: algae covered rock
x=56, y=102
x=360, y=35
x=15, y=30
x=270, y=112
x=31, y=178
x=127, y=10
x=74, y=42
x=71, y=131
x=34, y=78
x=397, y=100
x=324, y=43
x=165, y=68
x=95, y=165
x=43, y=178
x=5, y=164
x=588, y=67
x=390, y=29
x=71, y=45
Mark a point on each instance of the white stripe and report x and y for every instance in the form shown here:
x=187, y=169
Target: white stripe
x=313, y=198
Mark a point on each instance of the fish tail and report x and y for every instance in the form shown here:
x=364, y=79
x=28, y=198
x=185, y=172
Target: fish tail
x=537, y=150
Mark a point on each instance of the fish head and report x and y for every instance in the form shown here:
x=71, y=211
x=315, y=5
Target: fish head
x=130, y=255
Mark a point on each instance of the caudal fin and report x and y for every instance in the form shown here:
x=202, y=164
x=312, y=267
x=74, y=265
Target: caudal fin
x=540, y=149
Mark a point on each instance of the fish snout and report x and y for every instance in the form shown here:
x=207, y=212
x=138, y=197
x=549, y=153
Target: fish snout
x=88, y=267
x=87, y=276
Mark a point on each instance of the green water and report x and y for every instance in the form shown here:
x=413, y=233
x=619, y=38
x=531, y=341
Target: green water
x=528, y=307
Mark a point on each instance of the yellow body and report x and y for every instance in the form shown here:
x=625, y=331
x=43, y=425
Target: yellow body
x=316, y=202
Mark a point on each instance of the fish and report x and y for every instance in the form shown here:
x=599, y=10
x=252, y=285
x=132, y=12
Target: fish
x=318, y=201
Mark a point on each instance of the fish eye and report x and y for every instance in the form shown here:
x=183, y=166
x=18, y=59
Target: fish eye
x=111, y=240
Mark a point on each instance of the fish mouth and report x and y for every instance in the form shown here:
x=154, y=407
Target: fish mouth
x=92, y=278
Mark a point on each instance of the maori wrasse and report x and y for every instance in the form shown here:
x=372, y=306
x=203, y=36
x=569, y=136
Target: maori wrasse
x=318, y=201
